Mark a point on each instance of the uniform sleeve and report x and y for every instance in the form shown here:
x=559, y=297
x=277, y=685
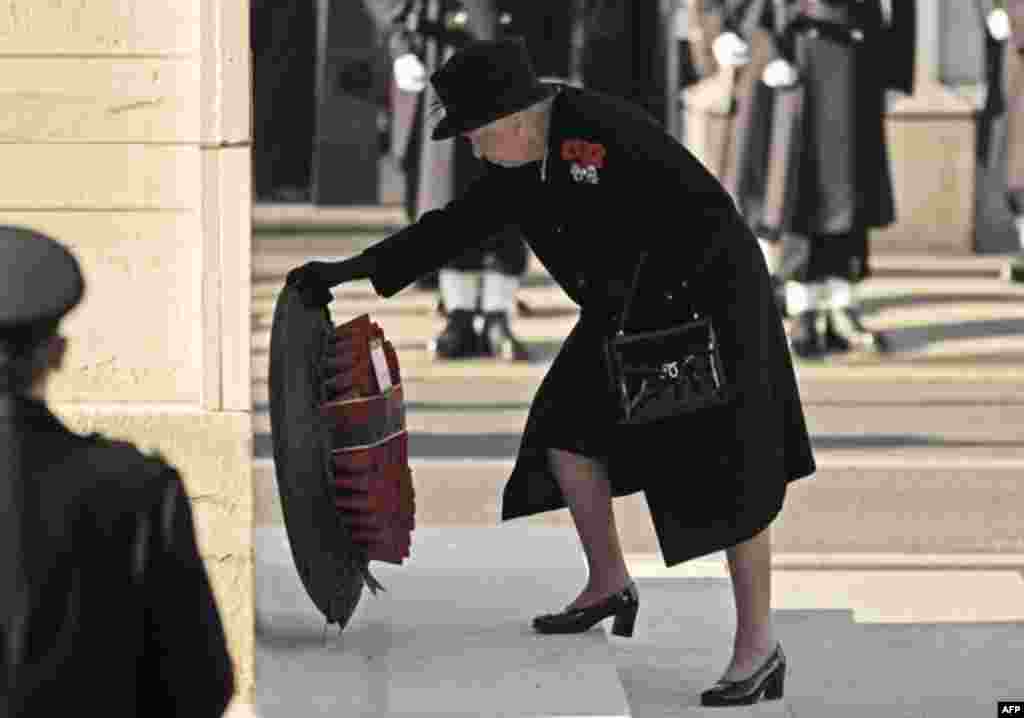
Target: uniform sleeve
x=186, y=644
x=706, y=22
x=441, y=235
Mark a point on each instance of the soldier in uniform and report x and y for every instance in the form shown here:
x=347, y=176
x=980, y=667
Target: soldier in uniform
x=574, y=168
x=1002, y=137
x=624, y=52
x=283, y=39
x=102, y=587
x=479, y=288
x=846, y=54
x=730, y=37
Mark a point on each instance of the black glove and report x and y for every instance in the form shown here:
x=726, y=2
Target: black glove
x=315, y=279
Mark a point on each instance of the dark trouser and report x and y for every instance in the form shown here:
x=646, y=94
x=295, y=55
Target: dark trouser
x=844, y=256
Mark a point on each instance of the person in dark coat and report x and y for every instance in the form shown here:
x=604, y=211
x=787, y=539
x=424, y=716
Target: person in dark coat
x=103, y=595
x=283, y=40
x=846, y=53
x=731, y=39
x=1002, y=118
x=478, y=289
x=624, y=52
x=578, y=171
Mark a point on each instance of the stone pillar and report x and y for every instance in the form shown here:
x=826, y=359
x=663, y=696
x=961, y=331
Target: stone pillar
x=932, y=152
x=125, y=133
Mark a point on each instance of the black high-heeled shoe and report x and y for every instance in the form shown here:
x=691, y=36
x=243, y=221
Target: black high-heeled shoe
x=623, y=605
x=766, y=681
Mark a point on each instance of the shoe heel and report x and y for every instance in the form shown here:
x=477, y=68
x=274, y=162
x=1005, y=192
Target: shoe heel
x=773, y=685
x=625, y=622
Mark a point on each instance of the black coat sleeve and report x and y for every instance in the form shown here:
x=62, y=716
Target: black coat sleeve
x=186, y=647
x=439, y=236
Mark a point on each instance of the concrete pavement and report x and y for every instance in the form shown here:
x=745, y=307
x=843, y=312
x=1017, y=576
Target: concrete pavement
x=898, y=587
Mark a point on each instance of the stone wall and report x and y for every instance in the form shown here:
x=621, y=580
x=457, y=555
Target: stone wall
x=125, y=133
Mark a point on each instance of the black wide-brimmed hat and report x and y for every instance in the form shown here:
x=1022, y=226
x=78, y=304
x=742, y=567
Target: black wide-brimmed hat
x=483, y=82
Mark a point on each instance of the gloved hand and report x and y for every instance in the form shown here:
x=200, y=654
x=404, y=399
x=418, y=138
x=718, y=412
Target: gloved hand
x=410, y=74
x=998, y=22
x=315, y=279
x=780, y=73
x=730, y=50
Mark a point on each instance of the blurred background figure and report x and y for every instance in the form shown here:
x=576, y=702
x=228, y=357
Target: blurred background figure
x=101, y=582
x=1001, y=124
x=284, y=48
x=624, y=51
x=816, y=181
x=478, y=290
x=732, y=39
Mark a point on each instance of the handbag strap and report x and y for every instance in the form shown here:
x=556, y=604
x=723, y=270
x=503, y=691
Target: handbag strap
x=706, y=260
x=632, y=291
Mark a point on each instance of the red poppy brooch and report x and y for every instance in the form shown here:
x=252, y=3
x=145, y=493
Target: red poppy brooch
x=586, y=158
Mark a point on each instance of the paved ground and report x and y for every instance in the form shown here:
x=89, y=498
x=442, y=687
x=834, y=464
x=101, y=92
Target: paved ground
x=898, y=589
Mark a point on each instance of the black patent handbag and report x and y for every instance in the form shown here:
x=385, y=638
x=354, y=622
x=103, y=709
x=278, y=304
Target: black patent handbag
x=668, y=372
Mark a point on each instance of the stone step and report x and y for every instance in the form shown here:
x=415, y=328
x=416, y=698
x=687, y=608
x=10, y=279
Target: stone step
x=877, y=505
x=450, y=636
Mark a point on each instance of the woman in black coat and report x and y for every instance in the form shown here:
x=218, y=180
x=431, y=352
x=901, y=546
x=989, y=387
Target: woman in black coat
x=579, y=172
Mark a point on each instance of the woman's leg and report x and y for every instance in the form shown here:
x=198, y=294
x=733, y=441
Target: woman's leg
x=750, y=567
x=587, y=490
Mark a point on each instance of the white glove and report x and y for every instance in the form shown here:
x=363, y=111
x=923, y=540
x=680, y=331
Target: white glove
x=998, y=22
x=730, y=50
x=410, y=74
x=780, y=73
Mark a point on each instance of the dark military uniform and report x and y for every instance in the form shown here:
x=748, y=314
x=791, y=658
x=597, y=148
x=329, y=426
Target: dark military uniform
x=283, y=40
x=103, y=596
x=1001, y=124
x=624, y=52
x=713, y=479
x=745, y=164
x=437, y=172
x=847, y=54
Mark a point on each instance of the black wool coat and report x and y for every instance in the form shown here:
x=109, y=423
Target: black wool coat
x=117, y=603
x=615, y=184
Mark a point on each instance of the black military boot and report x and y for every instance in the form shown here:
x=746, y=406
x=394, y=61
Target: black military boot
x=835, y=342
x=1013, y=271
x=808, y=336
x=459, y=339
x=499, y=341
x=846, y=327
